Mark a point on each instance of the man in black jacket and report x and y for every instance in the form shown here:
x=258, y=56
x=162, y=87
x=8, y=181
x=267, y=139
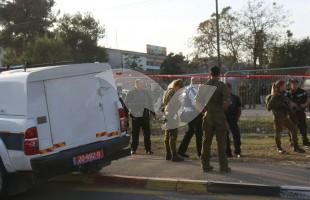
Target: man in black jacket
x=233, y=114
x=140, y=107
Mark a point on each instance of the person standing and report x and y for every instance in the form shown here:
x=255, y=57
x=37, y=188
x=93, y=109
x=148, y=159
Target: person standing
x=214, y=121
x=300, y=98
x=233, y=114
x=172, y=104
x=195, y=125
x=252, y=96
x=140, y=106
x=281, y=107
x=263, y=94
x=243, y=94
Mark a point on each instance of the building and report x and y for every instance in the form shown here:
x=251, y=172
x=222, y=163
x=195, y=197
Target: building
x=150, y=61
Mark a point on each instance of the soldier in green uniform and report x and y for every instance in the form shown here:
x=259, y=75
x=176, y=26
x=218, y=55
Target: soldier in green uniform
x=243, y=94
x=281, y=107
x=171, y=104
x=214, y=121
x=300, y=98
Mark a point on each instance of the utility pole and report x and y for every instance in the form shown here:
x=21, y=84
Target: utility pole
x=218, y=34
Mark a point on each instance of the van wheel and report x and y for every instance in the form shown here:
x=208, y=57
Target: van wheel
x=3, y=182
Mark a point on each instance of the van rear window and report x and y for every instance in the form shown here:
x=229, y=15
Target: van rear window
x=13, y=100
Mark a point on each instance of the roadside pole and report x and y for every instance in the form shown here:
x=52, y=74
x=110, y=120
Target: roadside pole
x=218, y=35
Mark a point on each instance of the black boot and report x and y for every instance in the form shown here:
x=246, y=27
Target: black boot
x=207, y=169
x=306, y=142
x=168, y=156
x=225, y=170
x=177, y=158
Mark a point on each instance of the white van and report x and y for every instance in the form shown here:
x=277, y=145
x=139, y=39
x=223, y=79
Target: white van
x=58, y=119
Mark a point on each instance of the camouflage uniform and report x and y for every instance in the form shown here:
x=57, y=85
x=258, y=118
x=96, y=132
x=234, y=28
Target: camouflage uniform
x=172, y=105
x=300, y=97
x=280, y=106
x=214, y=123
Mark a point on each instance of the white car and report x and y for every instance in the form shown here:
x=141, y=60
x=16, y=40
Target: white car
x=59, y=119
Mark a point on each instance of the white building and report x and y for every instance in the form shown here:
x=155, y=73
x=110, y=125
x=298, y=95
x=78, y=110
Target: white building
x=150, y=61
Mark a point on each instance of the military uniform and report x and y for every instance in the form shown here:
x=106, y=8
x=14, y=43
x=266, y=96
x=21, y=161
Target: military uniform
x=214, y=123
x=280, y=106
x=243, y=94
x=252, y=97
x=172, y=105
x=300, y=97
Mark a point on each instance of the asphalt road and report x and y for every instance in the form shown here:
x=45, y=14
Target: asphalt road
x=67, y=191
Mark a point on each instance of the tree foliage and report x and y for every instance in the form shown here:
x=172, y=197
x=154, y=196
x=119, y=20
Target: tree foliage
x=249, y=34
x=47, y=50
x=292, y=54
x=261, y=23
x=81, y=33
x=230, y=31
x=29, y=31
x=173, y=64
x=43, y=50
x=24, y=20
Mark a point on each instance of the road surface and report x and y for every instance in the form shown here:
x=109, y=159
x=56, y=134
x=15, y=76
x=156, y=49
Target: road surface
x=52, y=191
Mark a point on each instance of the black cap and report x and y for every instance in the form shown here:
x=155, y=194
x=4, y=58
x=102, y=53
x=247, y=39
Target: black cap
x=294, y=81
x=215, y=71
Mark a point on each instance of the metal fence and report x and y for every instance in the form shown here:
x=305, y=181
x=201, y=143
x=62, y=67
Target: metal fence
x=252, y=86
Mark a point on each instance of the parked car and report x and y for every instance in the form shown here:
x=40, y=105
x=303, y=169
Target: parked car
x=55, y=120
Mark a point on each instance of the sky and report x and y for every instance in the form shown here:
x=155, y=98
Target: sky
x=131, y=24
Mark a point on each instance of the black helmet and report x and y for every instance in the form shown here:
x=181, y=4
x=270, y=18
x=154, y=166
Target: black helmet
x=215, y=71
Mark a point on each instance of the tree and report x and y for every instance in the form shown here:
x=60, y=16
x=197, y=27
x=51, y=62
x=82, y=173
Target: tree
x=260, y=23
x=82, y=33
x=292, y=53
x=132, y=62
x=230, y=32
x=21, y=21
x=47, y=50
x=10, y=57
x=172, y=64
x=44, y=50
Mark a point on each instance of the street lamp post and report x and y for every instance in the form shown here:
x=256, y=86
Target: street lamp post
x=218, y=34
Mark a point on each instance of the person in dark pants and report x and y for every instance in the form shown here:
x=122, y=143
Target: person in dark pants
x=140, y=107
x=214, y=121
x=233, y=114
x=300, y=98
x=194, y=126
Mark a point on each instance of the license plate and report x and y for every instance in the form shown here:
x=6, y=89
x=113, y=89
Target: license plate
x=88, y=157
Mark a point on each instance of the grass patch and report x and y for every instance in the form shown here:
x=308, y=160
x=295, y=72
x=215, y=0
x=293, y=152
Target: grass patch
x=255, y=148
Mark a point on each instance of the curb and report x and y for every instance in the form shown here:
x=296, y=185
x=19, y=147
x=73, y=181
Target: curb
x=191, y=186
x=292, y=192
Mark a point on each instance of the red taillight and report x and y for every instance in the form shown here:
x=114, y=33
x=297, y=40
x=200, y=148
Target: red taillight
x=123, y=117
x=31, y=142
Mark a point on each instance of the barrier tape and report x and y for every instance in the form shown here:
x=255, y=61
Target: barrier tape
x=51, y=149
x=48, y=150
x=105, y=134
x=247, y=76
x=258, y=76
x=59, y=145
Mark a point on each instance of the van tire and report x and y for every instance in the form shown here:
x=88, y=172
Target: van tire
x=3, y=182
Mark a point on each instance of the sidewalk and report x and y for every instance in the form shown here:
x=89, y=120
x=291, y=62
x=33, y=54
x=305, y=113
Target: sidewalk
x=252, y=173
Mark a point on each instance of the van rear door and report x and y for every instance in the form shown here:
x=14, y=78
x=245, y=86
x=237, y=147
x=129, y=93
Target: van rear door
x=81, y=108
